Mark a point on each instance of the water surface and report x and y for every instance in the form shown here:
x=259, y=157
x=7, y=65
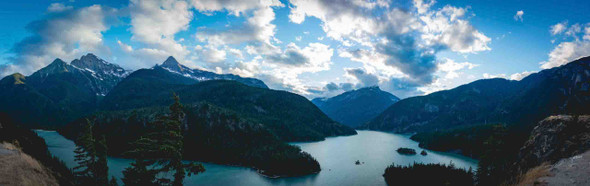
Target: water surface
x=336, y=155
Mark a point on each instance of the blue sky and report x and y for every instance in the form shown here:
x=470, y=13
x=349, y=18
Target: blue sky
x=313, y=48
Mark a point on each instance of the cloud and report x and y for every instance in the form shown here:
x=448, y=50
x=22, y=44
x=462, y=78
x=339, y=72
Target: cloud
x=154, y=24
x=568, y=50
x=451, y=67
x=67, y=34
x=521, y=75
x=518, y=15
x=447, y=27
x=258, y=27
x=558, y=28
x=363, y=78
x=491, y=76
x=396, y=45
x=292, y=56
x=58, y=7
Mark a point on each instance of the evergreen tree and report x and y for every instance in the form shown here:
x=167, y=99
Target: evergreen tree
x=494, y=164
x=113, y=182
x=91, y=156
x=101, y=167
x=85, y=156
x=161, y=150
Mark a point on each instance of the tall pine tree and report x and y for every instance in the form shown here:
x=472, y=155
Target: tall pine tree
x=91, y=156
x=160, y=151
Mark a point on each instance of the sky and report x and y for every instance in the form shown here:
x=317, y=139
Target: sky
x=315, y=48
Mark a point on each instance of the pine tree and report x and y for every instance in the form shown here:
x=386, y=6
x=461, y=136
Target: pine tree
x=161, y=151
x=85, y=156
x=101, y=167
x=91, y=156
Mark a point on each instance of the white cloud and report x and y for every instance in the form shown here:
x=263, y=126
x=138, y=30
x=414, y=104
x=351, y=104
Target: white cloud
x=558, y=28
x=67, y=35
x=490, y=76
x=521, y=75
x=451, y=67
x=518, y=15
x=448, y=27
x=154, y=24
x=569, y=50
x=58, y=7
x=566, y=52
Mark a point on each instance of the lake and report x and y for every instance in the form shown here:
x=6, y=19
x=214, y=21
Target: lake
x=336, y=155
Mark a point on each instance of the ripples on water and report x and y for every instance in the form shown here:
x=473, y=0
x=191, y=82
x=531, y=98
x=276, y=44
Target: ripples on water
x=337, y=156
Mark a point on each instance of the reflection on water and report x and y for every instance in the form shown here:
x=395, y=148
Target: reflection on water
x=337, y=156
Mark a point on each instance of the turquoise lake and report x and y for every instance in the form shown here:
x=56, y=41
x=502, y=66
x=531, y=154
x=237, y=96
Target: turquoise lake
x=336, y=155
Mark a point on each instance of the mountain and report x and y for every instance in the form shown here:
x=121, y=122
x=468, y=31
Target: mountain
x=59, y=92
x=354, y=108
x=289, y=116
x=200, y=75
x=560, y=90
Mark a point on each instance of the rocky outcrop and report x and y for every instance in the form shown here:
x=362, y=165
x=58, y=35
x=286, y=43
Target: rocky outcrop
x=553, y=139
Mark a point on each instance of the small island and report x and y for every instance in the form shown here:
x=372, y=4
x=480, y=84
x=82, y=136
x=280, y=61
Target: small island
x=423, y=153
x=406, y=151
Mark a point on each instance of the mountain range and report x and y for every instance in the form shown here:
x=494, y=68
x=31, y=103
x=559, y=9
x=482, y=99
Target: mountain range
x=560, y=90
x=356, y=107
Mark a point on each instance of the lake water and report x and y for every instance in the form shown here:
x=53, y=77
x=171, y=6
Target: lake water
x=336, y=155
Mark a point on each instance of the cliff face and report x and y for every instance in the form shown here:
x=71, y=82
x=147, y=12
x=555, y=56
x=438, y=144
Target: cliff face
x=555, y=138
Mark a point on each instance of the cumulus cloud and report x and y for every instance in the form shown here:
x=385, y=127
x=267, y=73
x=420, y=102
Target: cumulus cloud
x=566, y=52
x=521, y=75
x=397, y=45
x=451, y=68
x=58, y=7
x=258, y=27
x=491, y=76
x=558, y=28
x=66, y=34
x=518, y=15
x=154, y=24
x=569, y=50
x=363, y=78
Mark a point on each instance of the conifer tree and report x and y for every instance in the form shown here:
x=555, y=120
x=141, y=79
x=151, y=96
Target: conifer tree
x=85, y=156
x=161, y=150
x=91, y=156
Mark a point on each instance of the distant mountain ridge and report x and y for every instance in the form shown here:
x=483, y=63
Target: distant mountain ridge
x=354, y=108
x=560, y=90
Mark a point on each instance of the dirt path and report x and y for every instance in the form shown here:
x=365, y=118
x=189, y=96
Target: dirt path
x=570, y=171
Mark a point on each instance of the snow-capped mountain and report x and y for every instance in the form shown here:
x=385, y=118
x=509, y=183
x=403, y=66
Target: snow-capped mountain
x=200, y=75
x=89, y=72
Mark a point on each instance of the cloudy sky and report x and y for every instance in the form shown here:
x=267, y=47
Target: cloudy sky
x=310, y=47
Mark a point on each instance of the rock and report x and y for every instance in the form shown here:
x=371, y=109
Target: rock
x=423, y=153
x=553, y=139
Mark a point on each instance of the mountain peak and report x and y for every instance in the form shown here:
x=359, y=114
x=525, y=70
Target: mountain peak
x=57, y=61
x=172, y=64
x=170, y=61
x=14, y=79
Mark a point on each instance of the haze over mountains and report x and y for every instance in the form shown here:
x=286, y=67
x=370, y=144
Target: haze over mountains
x=354, y=108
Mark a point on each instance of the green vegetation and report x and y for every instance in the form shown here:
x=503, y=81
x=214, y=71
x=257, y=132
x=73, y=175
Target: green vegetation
x=91, y=156
x=465, y=140
x=427, y=174
x=406, y=151
x=34, y=146
x=160, y=151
